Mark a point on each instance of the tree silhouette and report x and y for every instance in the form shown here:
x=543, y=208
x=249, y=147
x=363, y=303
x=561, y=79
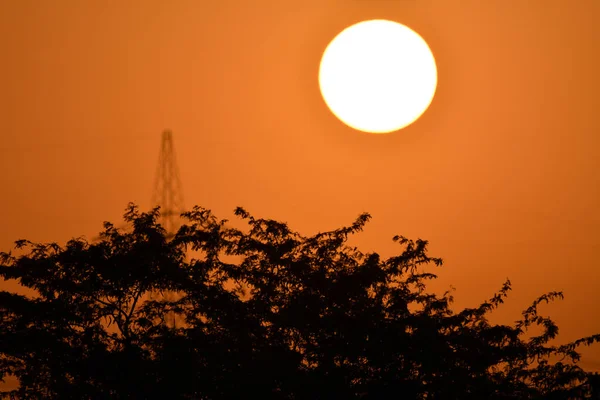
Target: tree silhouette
x=266, y=313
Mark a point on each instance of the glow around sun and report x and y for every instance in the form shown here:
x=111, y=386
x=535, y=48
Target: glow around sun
x=378, y=76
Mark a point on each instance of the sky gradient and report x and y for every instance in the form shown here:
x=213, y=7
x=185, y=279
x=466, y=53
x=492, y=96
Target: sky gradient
x=500, y=173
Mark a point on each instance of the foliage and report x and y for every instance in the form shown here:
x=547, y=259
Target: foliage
x=292, y=317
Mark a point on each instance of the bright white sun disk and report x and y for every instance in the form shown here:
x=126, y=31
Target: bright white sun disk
x=378, y=76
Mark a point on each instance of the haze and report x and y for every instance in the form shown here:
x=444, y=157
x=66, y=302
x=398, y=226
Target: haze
x=500, y=173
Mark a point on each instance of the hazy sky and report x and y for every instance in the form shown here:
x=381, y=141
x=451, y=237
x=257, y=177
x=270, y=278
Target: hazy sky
x=500, y=174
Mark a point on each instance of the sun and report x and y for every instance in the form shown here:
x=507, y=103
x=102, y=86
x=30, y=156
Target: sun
x=378, y=76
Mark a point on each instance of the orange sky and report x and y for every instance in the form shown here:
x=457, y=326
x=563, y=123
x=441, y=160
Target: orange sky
x=500, y=174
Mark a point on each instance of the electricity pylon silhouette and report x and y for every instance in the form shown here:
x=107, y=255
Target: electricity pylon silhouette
x=168, y=194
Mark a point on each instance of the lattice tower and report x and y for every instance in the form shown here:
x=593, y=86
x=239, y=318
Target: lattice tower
x=168, y=194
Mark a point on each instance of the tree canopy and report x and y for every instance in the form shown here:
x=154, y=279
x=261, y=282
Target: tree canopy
x=262, y=313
